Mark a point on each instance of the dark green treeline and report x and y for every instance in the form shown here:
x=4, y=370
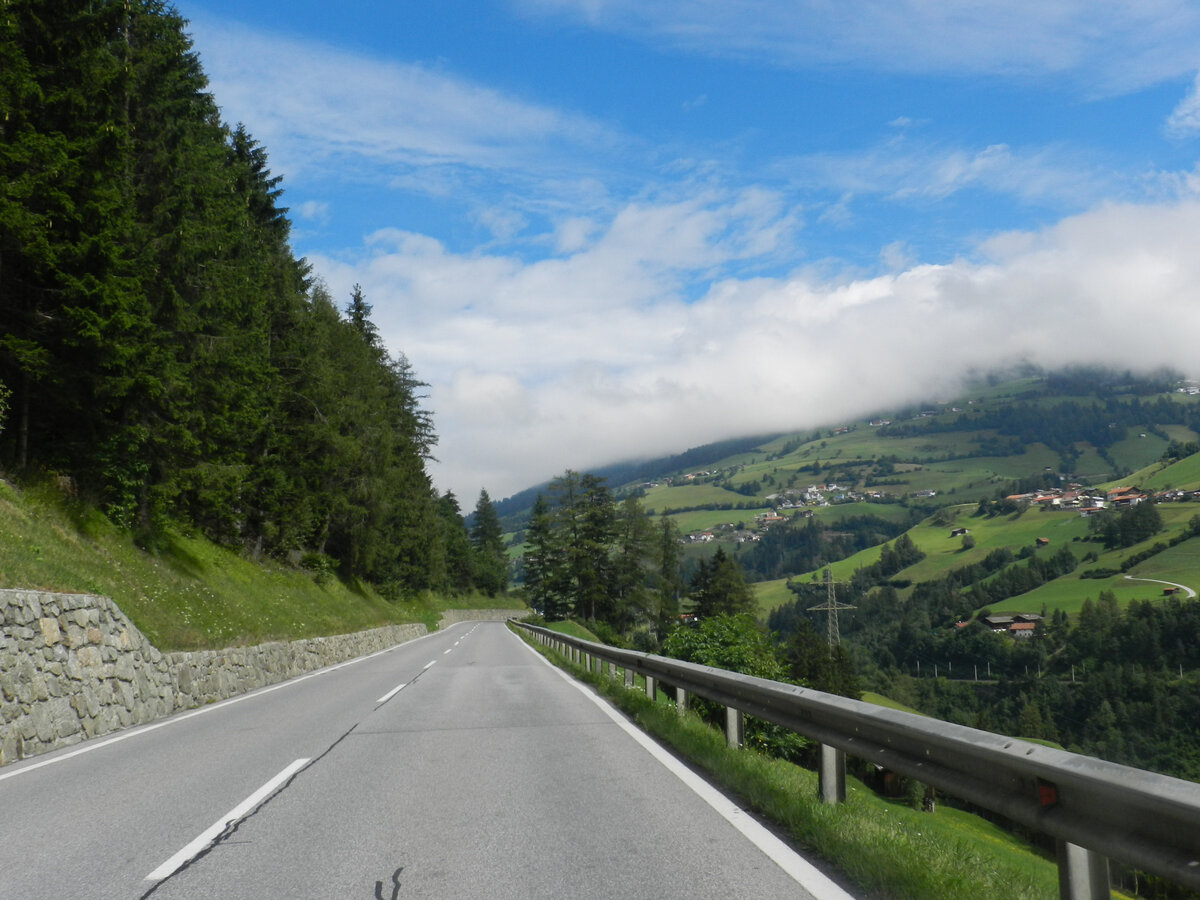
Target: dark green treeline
x=161, y=343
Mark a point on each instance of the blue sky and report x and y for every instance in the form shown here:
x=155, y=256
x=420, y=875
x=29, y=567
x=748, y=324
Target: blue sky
x=603, y=229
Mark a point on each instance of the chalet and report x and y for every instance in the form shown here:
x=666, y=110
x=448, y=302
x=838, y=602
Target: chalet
x=1132, y=498
x=1021, y=630
x=998, y=623
x=959, y=532
x=1042, y=542
x=1170, y=496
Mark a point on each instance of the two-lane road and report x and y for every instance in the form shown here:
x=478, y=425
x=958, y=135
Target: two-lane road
x=458, y=765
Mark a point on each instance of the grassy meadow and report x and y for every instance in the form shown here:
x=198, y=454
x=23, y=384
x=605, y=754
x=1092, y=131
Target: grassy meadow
x=188, y=593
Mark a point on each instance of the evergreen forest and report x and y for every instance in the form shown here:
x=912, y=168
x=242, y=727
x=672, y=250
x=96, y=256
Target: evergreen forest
x=164, y=354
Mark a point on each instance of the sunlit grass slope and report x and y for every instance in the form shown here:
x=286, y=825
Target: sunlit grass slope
x=189, y=593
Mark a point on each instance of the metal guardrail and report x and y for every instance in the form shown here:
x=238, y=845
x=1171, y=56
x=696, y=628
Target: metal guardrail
x=1095, y=810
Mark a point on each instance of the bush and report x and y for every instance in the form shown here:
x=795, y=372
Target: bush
x=736, y=644
x=323, y=567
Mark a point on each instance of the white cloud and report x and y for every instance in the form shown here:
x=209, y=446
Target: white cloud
x=320, y=106
x=312, y=210
x=903, y=169
x=1184, y=121
x=1104, y=46
x=896, y=256
x=594, y=357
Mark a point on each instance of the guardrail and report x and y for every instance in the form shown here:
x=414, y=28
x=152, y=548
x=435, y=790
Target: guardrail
x=1095, y=810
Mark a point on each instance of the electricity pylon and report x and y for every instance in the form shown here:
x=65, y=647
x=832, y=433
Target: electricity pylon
x=831, y=607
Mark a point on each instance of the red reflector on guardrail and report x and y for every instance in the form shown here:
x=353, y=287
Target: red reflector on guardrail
x=1047, y=793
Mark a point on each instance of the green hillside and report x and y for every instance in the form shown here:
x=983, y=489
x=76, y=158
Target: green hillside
x=945, y=458
x=188, y=593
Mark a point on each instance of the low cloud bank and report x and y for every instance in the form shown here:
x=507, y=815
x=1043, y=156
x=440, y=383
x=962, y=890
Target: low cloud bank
x=597, y=356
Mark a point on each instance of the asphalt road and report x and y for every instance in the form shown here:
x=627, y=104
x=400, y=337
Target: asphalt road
x=458, y=765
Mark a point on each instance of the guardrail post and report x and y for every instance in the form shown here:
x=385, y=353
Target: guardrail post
x=612, y=670
x=650, y=686
x=1082, y=874
x=628, y=677
x=735, y=726
x=681, y=699
x=831, y=784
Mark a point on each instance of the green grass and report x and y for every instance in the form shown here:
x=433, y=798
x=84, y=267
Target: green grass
x=1135, y=452
x=1178, y=564
x=881, y=700
x=708, y=519
x=685, y=496
x=573, y=629
x=943, y=552
x=884, y=847
x=890, y=512
x=769, y=595
x=1181, y=475
x=187, y=594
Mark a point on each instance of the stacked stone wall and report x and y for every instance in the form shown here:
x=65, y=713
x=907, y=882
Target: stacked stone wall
x=72, y=666
x=451, y=616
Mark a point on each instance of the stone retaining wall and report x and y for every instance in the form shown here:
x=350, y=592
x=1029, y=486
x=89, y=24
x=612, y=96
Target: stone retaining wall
x=72, y=666
x=450, y=616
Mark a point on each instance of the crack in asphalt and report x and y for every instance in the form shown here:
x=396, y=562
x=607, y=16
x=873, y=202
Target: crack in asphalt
x=395, y=886
x=232, y=828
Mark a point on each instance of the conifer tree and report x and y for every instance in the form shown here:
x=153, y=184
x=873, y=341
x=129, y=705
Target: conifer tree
x=545, y=570
x=719, y=588
x=458, y=556
x=487, y=541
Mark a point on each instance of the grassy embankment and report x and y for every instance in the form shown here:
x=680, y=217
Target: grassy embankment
x=885, y=847
x=189, y=593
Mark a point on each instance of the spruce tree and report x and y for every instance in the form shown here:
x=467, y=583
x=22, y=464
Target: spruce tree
x=487, y=541
x=544, y=563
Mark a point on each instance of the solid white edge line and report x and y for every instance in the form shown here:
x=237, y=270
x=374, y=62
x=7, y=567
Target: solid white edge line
x=9, y=772
x=211, y=833
x=801, y=870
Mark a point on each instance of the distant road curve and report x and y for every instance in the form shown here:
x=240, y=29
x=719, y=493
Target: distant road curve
x=1183, y=587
